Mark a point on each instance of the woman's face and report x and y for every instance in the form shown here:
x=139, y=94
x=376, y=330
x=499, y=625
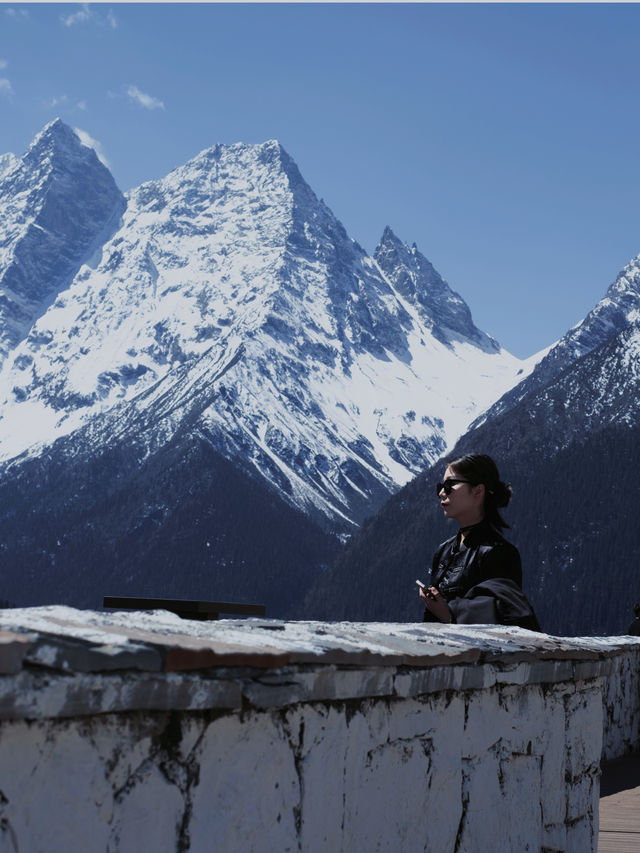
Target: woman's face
x=464, y=502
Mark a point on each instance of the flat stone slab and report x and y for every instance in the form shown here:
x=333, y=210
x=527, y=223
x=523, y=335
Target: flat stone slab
x=60, y=661
x=13, y=649
x=70, y=640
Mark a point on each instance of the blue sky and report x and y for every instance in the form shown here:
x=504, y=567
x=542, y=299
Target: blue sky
x=502, y=139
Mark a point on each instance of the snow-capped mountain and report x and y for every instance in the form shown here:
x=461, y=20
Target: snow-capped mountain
x=618, y=309
x=344, y=375
x=57, y=204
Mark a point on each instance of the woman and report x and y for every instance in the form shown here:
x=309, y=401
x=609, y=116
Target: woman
x=476, y=576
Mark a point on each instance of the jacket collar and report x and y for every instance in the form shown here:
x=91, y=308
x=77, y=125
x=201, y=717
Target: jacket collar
x=477, y=532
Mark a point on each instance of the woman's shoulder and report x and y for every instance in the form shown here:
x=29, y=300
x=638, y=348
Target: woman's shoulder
x=499, y=557
x=487, y=534
x=491, y=544
x=446, y=544
x=502, y=549
x=442, y=550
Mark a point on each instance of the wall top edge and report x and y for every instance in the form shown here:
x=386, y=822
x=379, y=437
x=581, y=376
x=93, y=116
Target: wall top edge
x=69, y=640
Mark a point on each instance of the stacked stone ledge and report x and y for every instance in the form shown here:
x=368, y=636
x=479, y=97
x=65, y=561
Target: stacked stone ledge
x=270, y=735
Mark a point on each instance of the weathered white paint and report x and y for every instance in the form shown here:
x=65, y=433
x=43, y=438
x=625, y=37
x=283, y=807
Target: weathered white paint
x=318, y=738
x=621, y=704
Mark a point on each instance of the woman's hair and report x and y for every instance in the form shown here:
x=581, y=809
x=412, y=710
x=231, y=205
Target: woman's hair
x=479, y=468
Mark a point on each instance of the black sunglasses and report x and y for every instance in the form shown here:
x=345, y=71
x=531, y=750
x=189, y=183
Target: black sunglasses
x=448, y=485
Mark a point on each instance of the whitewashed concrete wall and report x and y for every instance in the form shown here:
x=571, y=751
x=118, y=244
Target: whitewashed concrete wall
x=131, y=732
x=621, y=702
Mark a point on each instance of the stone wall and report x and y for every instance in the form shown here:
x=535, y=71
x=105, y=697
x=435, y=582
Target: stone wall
x=129, y=732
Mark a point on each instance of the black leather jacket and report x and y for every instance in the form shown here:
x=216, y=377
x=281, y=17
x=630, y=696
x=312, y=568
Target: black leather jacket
x=481, y=579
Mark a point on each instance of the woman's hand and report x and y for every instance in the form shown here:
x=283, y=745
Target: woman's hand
x=435, y=603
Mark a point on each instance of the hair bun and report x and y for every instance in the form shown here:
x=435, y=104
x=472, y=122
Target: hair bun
x=503, y=492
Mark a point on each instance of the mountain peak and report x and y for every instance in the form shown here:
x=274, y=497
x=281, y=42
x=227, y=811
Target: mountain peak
x=58, y=144
x=240, y=162
x=389, y=239
x=418, y=281
x=390, y=234
x=57, y=205
x=55, y=132
x=55, y=127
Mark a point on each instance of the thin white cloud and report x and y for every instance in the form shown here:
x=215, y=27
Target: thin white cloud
x=65, y=102
x=15, y=13
x=3, y=63
x=5, y=86
x=90, y=142
x=144, y=100
x=83, y=14
x=86, y=13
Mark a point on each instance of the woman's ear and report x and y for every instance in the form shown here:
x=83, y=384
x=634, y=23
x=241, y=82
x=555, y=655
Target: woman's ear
x=479, y=490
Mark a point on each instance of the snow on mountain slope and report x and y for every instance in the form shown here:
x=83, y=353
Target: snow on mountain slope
x=599, y=391
x=463, y=368
x=347, y=374
x=56, y=203
x=7, y=162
